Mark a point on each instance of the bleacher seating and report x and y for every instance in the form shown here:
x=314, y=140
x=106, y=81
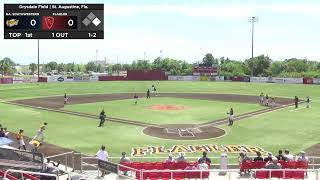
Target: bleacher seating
x=166, y=166
x=25, y=176
x=10, y=177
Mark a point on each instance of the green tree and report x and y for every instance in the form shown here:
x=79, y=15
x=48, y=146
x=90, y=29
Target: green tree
x=61, y=68
x=33, y=67
x=90, y=66
x=7, y=66
x=70, y=67
x=209, y=60
x=259, y=65
x=276, y=68
x=51, y=66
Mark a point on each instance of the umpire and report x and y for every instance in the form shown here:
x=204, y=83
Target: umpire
x=102, y=118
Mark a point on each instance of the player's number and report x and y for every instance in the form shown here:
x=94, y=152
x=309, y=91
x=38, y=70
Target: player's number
x=33, y=22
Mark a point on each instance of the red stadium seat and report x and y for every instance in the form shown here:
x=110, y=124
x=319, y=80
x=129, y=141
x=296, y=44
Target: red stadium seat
x=288, y=174
x=136, y=165
x=147, y=166
x=178, y=175
x=29, y=176
x=298, y=174
x=290, y=165
x=122, y=164
x=258, y=165
x=180, y=165
x=245, y=166
x=154, y=175
x=262, y=174
x=169, y=165
x=158, y=166
x=10, y=177
x=192, y=175
x=283, y=164
x=277, y=174
x=165, y=175
x=302, y=165
x=205, y=174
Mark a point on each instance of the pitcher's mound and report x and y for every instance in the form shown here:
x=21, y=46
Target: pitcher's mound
x=184, y=132
x=162, y=107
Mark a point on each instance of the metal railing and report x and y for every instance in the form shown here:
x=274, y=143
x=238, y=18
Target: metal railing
x=28, y=172
x=65, y=155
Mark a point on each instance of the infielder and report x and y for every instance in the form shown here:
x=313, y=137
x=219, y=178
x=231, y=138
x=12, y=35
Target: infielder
x=40, y=132
x=148, y=94
x=296, y=100
x=20, y=139
x=102, y=118
x=261, y=98
x=135, y=97
x=230, y=117
x=65, y=98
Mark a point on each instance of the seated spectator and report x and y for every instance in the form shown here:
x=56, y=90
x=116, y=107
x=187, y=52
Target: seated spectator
x=181, y=157
x=2, y=133
x=6, y=132
x=124, y=159
x=243, y=157
x=258, y=158
x=280, y=156
x=269, y=157
x=203, y=165
x=204, y=158
x=288, y=156
x=302, y=157
x=51, y=167
x=273, y=164
x=170, y=159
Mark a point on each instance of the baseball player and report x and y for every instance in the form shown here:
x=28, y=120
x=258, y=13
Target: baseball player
x=148, y=94
x=230, y=117
x=135, y=97
x=267, y=100
x=102, y=118
x=296, y=100
x=65, y=98
x=34, y=147
x=308, y=102
x=261, y=98
x=20, y=139
x=154, y=91
x=40, y=132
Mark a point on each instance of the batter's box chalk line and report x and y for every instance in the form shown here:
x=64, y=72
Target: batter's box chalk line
x=194, y=130
x=172, y=130
x=185, y=133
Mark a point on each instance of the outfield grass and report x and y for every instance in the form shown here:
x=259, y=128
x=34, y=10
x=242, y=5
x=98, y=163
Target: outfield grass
x=286, y=128
x=196, y=111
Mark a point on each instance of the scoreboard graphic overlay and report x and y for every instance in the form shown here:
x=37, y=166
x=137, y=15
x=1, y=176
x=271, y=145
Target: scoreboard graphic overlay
x=53, y=21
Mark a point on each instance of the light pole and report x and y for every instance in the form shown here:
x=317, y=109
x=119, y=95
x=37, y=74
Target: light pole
x=252, y=20
x=38, y=60
x=97, y=60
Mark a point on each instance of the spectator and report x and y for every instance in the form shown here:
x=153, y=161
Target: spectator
x=243, y=157
x=170, y=159
x=288, y=156
x=181, y=157
x=273, y=164
x=102, y=154
x=258, y=158
x=51, y=167
x=6, y=132
x=204, y=158
x=269, y=157
x=124, y=159
x=281, y=157
x=2, y=133
x=302, y=157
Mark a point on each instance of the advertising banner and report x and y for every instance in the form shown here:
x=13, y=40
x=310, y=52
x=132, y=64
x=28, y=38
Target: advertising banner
x=184, y=78
x=259, y=79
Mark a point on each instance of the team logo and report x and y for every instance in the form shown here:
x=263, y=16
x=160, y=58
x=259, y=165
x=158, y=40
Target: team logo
x=60, y=79
x=12, y=22
x=49, y=21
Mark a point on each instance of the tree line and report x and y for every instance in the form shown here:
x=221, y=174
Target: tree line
x=258, y=66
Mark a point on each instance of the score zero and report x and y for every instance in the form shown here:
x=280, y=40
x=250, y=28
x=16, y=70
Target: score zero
x=33, y=22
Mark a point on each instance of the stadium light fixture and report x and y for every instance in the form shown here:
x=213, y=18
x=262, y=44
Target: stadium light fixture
x=252, y=20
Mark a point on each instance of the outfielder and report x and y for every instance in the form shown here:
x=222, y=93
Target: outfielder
x=148, y=94
x=308, y=102
x=40, y=132
x=20, y=139
x=102, y=118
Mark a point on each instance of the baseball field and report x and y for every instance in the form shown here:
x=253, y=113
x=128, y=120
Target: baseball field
x=182, y=113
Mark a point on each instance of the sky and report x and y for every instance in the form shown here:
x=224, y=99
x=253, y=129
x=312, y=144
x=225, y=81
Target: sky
x=183, y=29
